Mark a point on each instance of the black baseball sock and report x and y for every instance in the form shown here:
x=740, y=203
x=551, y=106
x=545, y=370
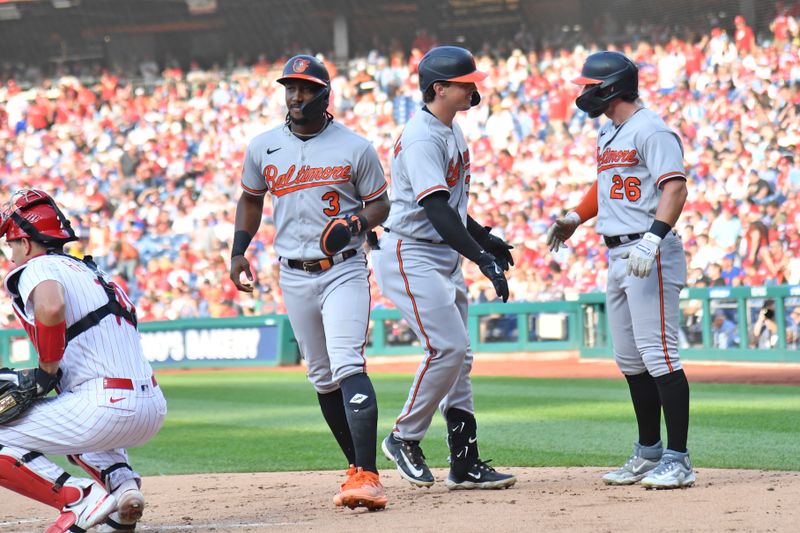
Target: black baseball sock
x=647, y=406
x=462, y=438
x=332, y=407
x=674, y=391
x=361, y=409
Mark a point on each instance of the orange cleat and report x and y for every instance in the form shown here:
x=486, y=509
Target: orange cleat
x=363, y=489
x=337, y=499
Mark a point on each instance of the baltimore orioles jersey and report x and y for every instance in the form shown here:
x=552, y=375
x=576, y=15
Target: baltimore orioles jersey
x=327, y=176
x=634, y=160
x=428, y=157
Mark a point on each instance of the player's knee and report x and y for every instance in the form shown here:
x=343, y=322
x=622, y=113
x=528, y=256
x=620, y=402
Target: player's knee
x=630, y=365
x=673, y=378
x=323, y=383
x=357, y=392
x=659, y=365
x=640, y=377
x=452, y=351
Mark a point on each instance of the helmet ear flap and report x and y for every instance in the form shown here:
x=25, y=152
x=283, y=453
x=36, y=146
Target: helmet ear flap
x=317, y=105
x=476, y=99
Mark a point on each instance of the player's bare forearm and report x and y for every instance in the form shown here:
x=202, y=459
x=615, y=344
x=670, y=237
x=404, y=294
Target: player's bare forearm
x=376, y=211
x=248, y=213
x=673, y=196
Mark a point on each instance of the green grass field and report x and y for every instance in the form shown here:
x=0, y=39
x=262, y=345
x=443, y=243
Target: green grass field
x=270, y=421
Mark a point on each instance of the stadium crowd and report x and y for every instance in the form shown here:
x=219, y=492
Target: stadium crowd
x=150, y=170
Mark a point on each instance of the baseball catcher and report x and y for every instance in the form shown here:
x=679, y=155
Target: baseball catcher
x=83, y=327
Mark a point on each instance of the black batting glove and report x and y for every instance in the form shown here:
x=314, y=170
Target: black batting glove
x=499, y=248
x=491, y=269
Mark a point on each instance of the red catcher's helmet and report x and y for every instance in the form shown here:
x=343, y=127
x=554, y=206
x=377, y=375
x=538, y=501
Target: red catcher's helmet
x=33, y=214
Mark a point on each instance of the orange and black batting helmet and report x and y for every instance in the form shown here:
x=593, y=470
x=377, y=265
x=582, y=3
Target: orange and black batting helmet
x=449, y=63
x=310, y=69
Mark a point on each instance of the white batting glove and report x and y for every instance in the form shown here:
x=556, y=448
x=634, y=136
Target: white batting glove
x=561, y=230
x=643, y=255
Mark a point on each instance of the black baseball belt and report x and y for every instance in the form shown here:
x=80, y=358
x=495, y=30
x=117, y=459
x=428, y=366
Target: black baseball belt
x=320, y=265
x=427, y=241
x=613, y=242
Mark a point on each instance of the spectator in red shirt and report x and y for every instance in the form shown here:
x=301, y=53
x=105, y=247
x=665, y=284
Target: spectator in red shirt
x=745, y=41
x=41, y=113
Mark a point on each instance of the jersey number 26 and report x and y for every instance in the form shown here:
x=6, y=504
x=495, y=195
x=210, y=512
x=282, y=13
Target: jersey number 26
x=625, y=188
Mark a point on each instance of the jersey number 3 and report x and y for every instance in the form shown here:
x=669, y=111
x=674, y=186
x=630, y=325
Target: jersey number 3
x=332, y=197
x=625, y=188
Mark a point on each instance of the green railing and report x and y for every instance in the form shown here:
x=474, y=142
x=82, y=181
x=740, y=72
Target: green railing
x=716, y=323
x=241, y=341
x=513, y=327
x=493, y=327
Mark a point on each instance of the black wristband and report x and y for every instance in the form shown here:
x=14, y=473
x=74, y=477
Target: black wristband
x=241, y=240
x=660, y=228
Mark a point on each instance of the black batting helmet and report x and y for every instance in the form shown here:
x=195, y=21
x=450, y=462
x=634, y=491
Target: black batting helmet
x=449, y=63
x=611, y=75
x=311, y=69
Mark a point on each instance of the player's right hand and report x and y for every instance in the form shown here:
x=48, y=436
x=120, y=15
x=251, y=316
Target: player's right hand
x=240, y=264
x=561, y=230
x=492, y=270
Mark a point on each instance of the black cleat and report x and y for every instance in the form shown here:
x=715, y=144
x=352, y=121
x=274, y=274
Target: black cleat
x=480, y=476
x=409, y=459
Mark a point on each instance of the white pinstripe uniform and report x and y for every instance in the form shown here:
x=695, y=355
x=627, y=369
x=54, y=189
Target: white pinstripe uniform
x=108, y=399
x=311, y=182
x=633, y=161
x=421, y=275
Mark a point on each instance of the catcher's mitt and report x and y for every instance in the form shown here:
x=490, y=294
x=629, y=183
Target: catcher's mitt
x=20, y=389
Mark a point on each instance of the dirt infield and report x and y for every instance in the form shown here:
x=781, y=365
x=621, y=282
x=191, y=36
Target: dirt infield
x=545, y=499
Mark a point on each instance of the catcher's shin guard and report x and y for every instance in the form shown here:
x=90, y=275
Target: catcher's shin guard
x=15, y=475
x=82, y=502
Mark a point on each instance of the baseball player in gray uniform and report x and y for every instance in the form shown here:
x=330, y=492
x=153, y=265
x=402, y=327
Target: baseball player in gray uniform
x=418, y=266
x=638, y=196
x=83, y=327
x=328, y=189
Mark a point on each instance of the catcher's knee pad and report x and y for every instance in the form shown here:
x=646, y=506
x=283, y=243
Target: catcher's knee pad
x=357, y=392
x=111, y=476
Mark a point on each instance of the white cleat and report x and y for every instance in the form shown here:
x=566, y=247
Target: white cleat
x=635, y=468
x=673, y=472
x=94, y=506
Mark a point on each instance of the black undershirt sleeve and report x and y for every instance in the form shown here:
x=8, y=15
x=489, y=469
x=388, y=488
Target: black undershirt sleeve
x=448, y=224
